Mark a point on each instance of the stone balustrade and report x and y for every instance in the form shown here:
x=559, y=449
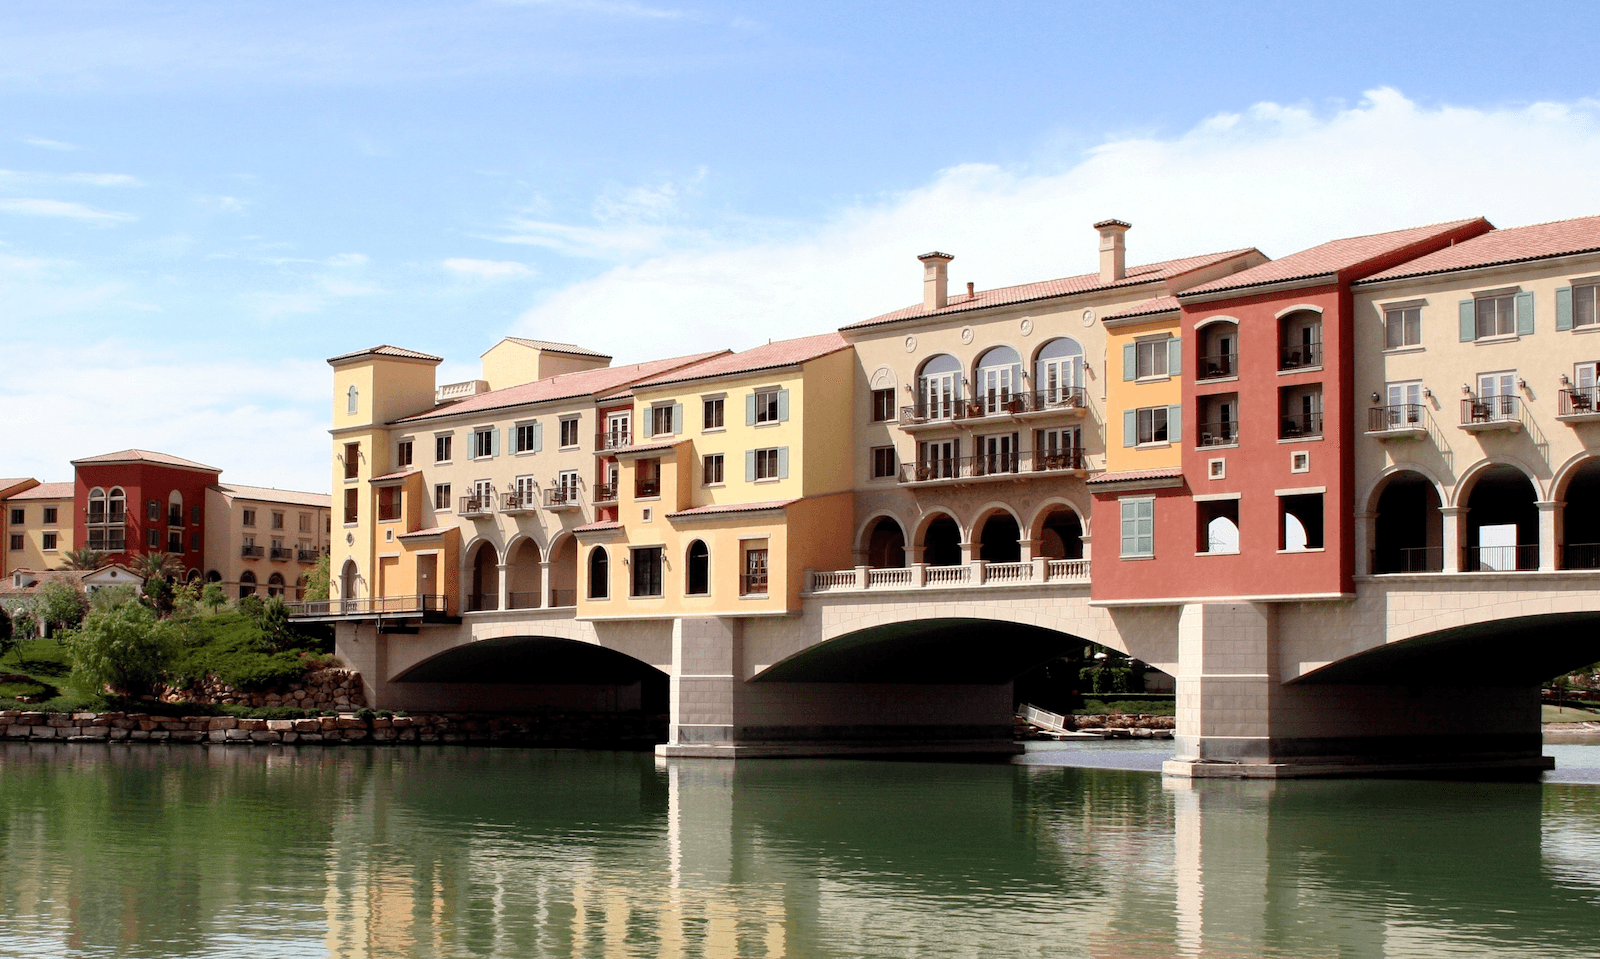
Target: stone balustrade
x=978, y=573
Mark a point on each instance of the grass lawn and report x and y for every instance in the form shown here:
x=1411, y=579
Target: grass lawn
x=1567, y=714
x=46, y=663
x=1138, y=707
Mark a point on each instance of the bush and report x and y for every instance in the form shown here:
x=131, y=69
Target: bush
x=317, y=579
x=233, y=646
x=59, y=605
x=158, y=592
x=120, y=649
x=250, y=605
x=107, y=597
x=213, y=597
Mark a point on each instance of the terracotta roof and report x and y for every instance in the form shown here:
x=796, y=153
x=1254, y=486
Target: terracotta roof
x=572, y=349
x=45, y=491
x=565, y=386
x=1126, y=476
x=723, y=508
x=385, y=350
x=1082, y=283
x=6, y=484
x=430, y=531
x=1150, y=307
x=596, y=527
x=1512, y=245
x=144, y=456
x=267, y=494
x=397, y=474
x=769, y=357
x=1349, y=255
x=646, y=447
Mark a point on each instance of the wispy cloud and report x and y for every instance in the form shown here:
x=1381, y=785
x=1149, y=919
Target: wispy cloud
x=61, y=208
x=488, y=269
x=45, y=144
x=626, y=222
x=614, y=8
x=89, y=179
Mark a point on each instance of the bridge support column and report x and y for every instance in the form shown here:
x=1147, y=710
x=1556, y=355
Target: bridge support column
x=1364, y=538
x=1225, y=680
x=706, y=660
x=1549, y=534
x=1454, y=518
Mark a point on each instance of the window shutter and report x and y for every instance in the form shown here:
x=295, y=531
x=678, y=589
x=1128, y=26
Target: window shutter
x=647, y=425
x=1564, y=308
x=1130, y=529
x=1175, y=424
x=749, y=409
x=1525, y=313
x=1130, y=428
x=538, y=437
x=494, y=442
x=749, y=466
x=511, y=440
x=1130, y=361
x=783, y=462
x=783, y=406
x=677, y=419
x=1174, y=356
x=1469, y=321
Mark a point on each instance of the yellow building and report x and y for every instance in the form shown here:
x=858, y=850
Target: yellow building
x=1144, y=393
x=38, y=524
x=264, y=540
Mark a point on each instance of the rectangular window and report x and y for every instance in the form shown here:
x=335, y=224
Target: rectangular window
x=17, y=517
x=883, y=405
x=249, y=517
x=754, y=579
x=194, y=542
x=388, y=503
x=647, y=478
x=766, y=406
x=441, y=449
x=352, y=460
x=194, y=515
x=1153, y=425
x=661, y=420
x=1495, y=315
x=441, y=496
x=1586, y=305
x=483, y=443
x=527, y=438
x=403, y=453
x=152, y=539
x=712, y=468
x=645, y=565
x=48, y=542
x=277, y=520
x=1302, y=522
x=1404, y=404
x=50, y=515
x=1402, y=327
x=174, y=542
x=1139, y=527
x=569, y=432
x=16, y=541
x=305, y=522
x=352, y=501
x=1150, y=358
x=152, y=511
x=884, y=462
x=766, y=464
x=711, y=414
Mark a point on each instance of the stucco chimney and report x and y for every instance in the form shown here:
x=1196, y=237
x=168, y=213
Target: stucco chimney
x=1113, y=250
x=935, y=280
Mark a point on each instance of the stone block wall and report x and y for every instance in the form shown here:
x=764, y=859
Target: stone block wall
x=335, y=689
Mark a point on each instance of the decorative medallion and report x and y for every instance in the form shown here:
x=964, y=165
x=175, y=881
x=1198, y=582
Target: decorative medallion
x=349, y=539
x=911, y=344
x=1027, y=325
x=966, y=335
x=1088, y=317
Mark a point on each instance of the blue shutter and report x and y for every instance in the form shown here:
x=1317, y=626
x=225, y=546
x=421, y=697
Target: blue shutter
x=749, y=409
x=783, y=462
x=1130, y=361
x=1174, y=424
x=783, y=406
x=1564, y=308
x=1469, y=321
x=511, y=439
x=749, y=466
x=1130, y=528
x=1174, y=356
x=538, y=437
x=494, y=442
x=1130, y=428
x=677, y=419
x=1525, y=313
x=645, y=426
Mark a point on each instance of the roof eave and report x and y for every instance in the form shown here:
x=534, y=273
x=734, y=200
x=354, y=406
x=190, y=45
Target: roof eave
x=1498, y=264
x=1258, y=289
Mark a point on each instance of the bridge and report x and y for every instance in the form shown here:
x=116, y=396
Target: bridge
x=1425, y=671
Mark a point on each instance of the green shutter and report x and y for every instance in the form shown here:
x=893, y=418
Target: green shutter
x=1130, y=428
x=749, y=466
x=1564, y=308
x=749, y=409
x=1469, y=321
x=646, y=425
x=1130, y=362
x=1174, y=424
x=783, y=462
x=1130, y=528
x=783, y=406
x=677, y=419
x=1174, y=356
x=538, y=437
x=1525, y=313
x=494, y=442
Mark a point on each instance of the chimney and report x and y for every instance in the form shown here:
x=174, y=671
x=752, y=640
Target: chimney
x=1113, y=250
x=935, y=280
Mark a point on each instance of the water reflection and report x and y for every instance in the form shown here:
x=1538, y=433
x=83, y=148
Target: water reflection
x=437, y=852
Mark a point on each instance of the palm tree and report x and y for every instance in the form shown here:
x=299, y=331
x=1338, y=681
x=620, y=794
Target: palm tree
x=84, y=558
x=157, y=565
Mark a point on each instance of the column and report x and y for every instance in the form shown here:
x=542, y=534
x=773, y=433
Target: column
x=1225, y=681
x=1550, y=533
x=503, y=601
x=1364, y=542
x=1084, y=539
x=1028, y=546
x=968, y=549
x=544, y=585
x=1455, y=518
x=705, y=675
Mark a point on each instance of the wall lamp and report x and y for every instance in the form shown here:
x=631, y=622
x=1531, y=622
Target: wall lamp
x=1565, y=381
x=1375, y=396
x=1466, y=389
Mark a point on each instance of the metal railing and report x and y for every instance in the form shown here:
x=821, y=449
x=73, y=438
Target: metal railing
x=560, y=497
x=1301, y=355
x=1408, y=559
x=482, y=602
x=306, y=555
x=109, y=544
x=613, y=440
x=369, y=606
x=519, y=501
x=1217, y=365
x=1219, y=433
x=563, y=598
x=1400, y=416
x=1019, y=462
x=476, y=505
x=388, y=512
x=1580, y=401
x=175, y=517
x=646, y=487
x=249, y=551
x=605, y=493
x=520, y=599
x=1501, y=558
x=282, y=553
x=1300, y=424
x=999, y=404
x=1580, y=556
x=1491, y=409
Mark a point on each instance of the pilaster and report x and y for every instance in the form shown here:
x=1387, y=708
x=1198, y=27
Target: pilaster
x=1454, y=518
x=1550, y=533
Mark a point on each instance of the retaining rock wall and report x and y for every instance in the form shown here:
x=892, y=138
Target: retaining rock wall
x=337, y=689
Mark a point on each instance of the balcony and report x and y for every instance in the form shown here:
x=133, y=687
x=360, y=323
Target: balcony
x=519, y=501
x=1039, y=404
x=993, y=467
x=1483, y=559
x=1483, y=414
x=251, y=551
x=1301, y=356
x=1300, y=424
x=646, y=488
x=1219, y=433
x=1578, y=405
x=558, y=498
x=175, y=517
x=612, y=440
x=605, y=493
x=1398, y=422
x=281, y=554
x=476, y=507
x=1580, y=556
x=1411, y=559
x=306, y=555
x=972, y=575
x=1218, y=366
x=388, y=510
x=522, y=600
x=430, y=607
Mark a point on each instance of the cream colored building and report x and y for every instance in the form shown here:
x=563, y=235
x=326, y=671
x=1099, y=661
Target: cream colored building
x=263, y=540
x=37, y=531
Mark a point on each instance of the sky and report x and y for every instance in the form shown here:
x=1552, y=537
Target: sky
x=202, y=201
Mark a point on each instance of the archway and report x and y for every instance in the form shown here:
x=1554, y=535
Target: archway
x=941, y=543
x=564, y=572
x=1408, y=532
x=348, y=580
x=247, y=584
x=999, y=539
x=1580, y=518
x=275, y=585
x=484, y=586
x=997, y=380
x=1060, y=534
x=886, y=544
x=1058, y=374
x=938, y=388
x=697, y=579
x=944, y=651
x=524, y=577
x=1502, y=521
x=519, y=673
x=599, y=573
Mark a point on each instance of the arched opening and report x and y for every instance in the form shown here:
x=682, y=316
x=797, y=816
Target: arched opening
x=941, y=544
x=998, y=380
x=999, y=539
x=1300, y=339
x=1502, y=521
x=525, y=577
x=599, y=573
x=1061, y=535
x=247, y=584
x=886, y=545
x=1218, y=356
x=175, y=509
x=352, y=401
x=193, y=576
x=117, y=506
x=213, y=577
x=485, y=586
x=348, y=580
x=1058, y=374
x=518, y=672
x=1408, y=532
x=938, y=388
x=300, y=586
x=697, y=573
x=1580, y=518
x=275, y=585
x=564, y=573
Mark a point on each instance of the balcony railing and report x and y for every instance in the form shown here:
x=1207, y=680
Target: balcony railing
x=1501, y=558
x=1580, y=401
x=1219, y=433
x=992, y=465
x=1301, y=424
x=482, y=602
x=1396, y=418
x=1491, y=411
x=252, y=552
x=1580, y=556
x=1300, y=355
x=644, y=488
x=1062, y=398
x=369, y=606
x=605, y=493
x=612, y=440
x=518, y=599
x=519, y=501
x=1218, y=365
x=175, y=517
x=563, y=598
x=282, y=553
x=306, y=555
x=1408, y=559
x=976, y=574
x=560, y=497
x=481, y=505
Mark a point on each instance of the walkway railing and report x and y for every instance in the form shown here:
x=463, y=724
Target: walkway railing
x=369, y=606
x=1408, y=559
x=1013, y=463
x=975, y=574
x=1501, y=558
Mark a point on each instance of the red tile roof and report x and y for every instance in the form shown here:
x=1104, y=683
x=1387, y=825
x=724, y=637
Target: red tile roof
x=425, y=533
x=771, y=356
x=397, y=474
x=550, y=346
x=385, y=350
x=1150, y=307
x=266, y=494
x=1337, y=257
x=718, y=509
x=144, y=456
x=1512, y=245
x=1082, y=283
x=1128, y=476
x=565, y=386
x=597, y=526
x=45, y=491
x=6, y=484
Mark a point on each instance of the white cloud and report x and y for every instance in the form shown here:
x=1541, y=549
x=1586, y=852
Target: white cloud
x=1277, y=177
x=347, y=259
x=60, y=208
x=90, y=179
x=629, y=222
x=45, y=144
x=616, y=8
x=488, y=269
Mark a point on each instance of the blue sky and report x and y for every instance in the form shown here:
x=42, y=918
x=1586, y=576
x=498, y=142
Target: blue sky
x=199, y=202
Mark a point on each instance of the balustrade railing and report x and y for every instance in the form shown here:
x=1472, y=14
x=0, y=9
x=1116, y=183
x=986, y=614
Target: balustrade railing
x=1008, y=572
x=519, y=500
x=1580, y=401
x=1016, y=462
x=1491, y=409
x=996, y=404
x=1057, y=570
x=947, y=575
x=1400, y=416
x=613, y=440
x=889, y=577
x=1217, y=366
x=835, y=579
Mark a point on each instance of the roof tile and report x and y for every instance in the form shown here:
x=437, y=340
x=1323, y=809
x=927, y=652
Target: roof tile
x=1511, y=245
x=771, y=356
x=45, y=491
x=385, y=350
x=144, y=456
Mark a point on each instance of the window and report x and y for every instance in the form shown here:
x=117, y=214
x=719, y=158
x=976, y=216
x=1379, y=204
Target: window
x=352, y=499
x=249, y=517
x=1302, y=522
x=1585, y=304
x=174, y=542
x=175, y=513
x=1404, y=407
x=1217, y=468
x=441, y=496
x=711, y=414
x=17, y=517
x=1150, y=425
x=352, y=401
x=712, y=469
x=765, y=406
x=698, y=582
x=441, y=448
x=646, y=478
x=1495, y=314
x=753, y=582
x=152, y=539
x=569, y=431
x=119, y=505
x=1150, y=357
x=1402, y=327
x=617, y=430
x=662, y=420
x=50, y=516
x=388, y=503
x=305, y=522
x=883, y=405
x=16, y=541
x=883, y=462
x=1139, y=527
x=646, y=566
x=1300, y=462
x=1218, y=525
x=530, y=437
x=194, y=542
x=485, y=443
x=194, y=514
x=152, y=511
x=277, y=520
x=352, y=460
x=765, y=464
x=247, y=580
x=48, y=542
x=599, y=573
x=403, y=453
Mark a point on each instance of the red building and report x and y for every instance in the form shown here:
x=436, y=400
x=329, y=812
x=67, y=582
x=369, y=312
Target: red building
x=136, y=501
x=1262, y=506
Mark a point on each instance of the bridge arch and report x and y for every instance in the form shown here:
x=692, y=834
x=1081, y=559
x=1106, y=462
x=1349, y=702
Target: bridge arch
x=1406, y=527
x=530, y=672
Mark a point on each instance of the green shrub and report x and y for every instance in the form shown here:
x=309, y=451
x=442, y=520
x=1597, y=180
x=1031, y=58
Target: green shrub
x=213, y=597
x=234, y=647
x=250, y=605
x=121, y=649
x=60, y=605
x=107, y=597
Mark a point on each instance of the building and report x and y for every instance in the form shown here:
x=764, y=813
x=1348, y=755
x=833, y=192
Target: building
x=264, y=539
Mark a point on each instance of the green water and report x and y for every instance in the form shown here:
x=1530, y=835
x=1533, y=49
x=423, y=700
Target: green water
x=268, y=852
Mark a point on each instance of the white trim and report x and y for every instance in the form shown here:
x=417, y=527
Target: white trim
x=1301, y=308
x=1208, y=600
x=1215, y=497
x=1300, y=491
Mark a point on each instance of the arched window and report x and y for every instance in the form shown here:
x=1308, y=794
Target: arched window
x=1058, y=373
x=213, y=577
x=599, y=573
x=247, y=584
x=175, y=509
x=352, y=401
x=118, y=502
x=998, y=379
x=699, y=569
x=97, y=506
x=275, y=584
x=939, y=387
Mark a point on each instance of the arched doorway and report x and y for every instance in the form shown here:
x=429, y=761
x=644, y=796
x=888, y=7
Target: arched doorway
x=697, y=581
x=999, y=539
x=348, y=578
x=485, y=585
x=524, y=578
x=1580, y=518
x=998, y=379
x=886, y=545
x=941, y=544
x=1408, y=532
x=1502, y=521
x=564, y=572
x=1060, y=536
x=275, y=585
x=247, y=584
x=938, y=388
x=599, y=573
x=1058, y=374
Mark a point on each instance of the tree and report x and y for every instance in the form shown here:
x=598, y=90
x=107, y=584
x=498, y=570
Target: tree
x=158, y=593
x=157, y=565
x=84, y=558
x=317, y=579
x=213, y=597
x=274, y=622
x=251, y=605
x=59, y=605
x=7, y=641
x=108, y=596
x=121, y=649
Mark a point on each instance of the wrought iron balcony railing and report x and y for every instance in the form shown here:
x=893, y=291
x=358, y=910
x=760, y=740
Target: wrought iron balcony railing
x=1491, y=410
x=1018, y=463
x=1217, y=365
x=1065, y=398
x=1400, y=416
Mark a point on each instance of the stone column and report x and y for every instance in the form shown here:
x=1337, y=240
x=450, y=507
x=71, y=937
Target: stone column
x=1455, y=518
x=544, y=585
x=968, y=551
x=504, y=588
x=919, y=574
x=1085, y=541
x=861, y=575
x=1550, y=513
x=1028, y=547
x=1225, y=685
x=706, y=655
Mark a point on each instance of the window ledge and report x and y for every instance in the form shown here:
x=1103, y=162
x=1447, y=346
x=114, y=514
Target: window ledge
x=1292, y=552
x=654, y=596
x=715, y=429
x=768, y=479
x=1402, y=350
x=1212, y=380
x=1498, y=338
x=771, y=423
x=1153, y=446
x=444, y=462
x=1162, y=378
x=1585, y=328
x=1301, y=369
x=1140, y=556
x=712, y=485
x=1216, y=552
x=1219, y=446
x=744, y=596
x=1308, y=438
